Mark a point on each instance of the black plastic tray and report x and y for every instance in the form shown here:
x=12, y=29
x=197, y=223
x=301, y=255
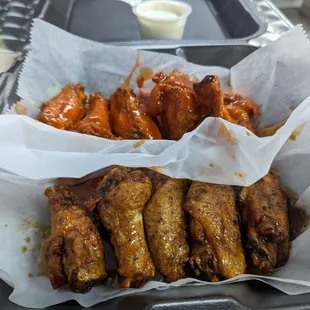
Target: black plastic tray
x=238, y=296
x=110, y=20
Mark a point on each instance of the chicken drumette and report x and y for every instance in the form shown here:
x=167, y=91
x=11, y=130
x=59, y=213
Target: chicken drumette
x=65, y=109
x=265, y=219
x=119, y=200
x=217, y=251
x=173, y=102
x=165, y=226
x=232, y=108
x=128, y=117
x=73, y=251
x=97, y=120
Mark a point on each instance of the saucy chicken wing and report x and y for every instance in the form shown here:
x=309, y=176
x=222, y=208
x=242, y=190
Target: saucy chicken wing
x=120, y=199
x=232, y=108
x=97, y=120
x=73, y=251
x=66, y=109
x=128, y=117
x=173, y=102
x=165, y=226
x=217, y=250
x=265, y=218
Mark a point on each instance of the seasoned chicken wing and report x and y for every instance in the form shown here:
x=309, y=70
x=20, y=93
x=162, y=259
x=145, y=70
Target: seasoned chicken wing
x=232, y=108
x=120, y=199
x=65, y=109
x=265, y=218
x=128, y=117
x=217, y=251
x=173, y=101
x=165, y=226
x=97, y=120
x=73, y=252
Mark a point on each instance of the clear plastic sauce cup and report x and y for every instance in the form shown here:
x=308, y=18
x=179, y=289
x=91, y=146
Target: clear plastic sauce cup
x=162, y=19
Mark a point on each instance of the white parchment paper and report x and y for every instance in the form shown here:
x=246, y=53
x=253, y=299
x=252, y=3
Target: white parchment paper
x=276, y=77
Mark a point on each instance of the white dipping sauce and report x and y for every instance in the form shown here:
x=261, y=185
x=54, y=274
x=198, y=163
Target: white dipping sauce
x=162, y=19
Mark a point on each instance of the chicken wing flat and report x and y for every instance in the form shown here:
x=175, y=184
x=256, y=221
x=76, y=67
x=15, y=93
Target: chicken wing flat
x=173, y=101
x=203, y=259
x=232, y=108
x=65, y=109
x=265, y=218
x=97, y=120
x=165, y=226
x=73, y=252
x=217, y=249
x=120, y=198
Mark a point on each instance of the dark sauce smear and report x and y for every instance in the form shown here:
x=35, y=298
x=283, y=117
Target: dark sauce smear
x=298, y=219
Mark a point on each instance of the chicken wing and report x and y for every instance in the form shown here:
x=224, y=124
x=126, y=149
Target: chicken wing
x=265, y=218
x=65, y=109
x=97, y=120
x=173, y=101
x=217, y=249
x=232, y=108
x=165, y=226
x=120, y=199
x=128, y=117
x=73, y=252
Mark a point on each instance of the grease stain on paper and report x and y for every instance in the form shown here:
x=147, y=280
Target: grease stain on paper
x=138, y=143
x=241, y=175
x=226, y=134
x=20, y=109
x=297, y=132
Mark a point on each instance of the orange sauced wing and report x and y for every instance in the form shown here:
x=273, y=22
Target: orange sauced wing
x=173, y=101
x=128, y=121
x=66, y=109
x=97, y=121
x=231, y=107
x=128, y=117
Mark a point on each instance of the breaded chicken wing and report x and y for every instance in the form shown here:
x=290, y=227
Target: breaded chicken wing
x=120, y=199
x=217, y=249
x=73, y=252
x=173, y=101
x=265, y=218
x=232, y=108
x=165, y=226
x=65, y=109
x=97, y=120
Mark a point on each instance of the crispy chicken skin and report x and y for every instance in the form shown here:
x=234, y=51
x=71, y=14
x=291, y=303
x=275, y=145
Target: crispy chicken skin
x=265, y=219
x=165, y=226
x=97, y=120
x=232, y=108
x=65, y=109
x=217, y=249
x=173, y=101
x=73, y=252
x=120, y=199
x=203, y=258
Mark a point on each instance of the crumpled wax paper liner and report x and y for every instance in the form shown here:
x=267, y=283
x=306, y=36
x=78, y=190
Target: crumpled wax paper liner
x=276, y=77
x=25, y=217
